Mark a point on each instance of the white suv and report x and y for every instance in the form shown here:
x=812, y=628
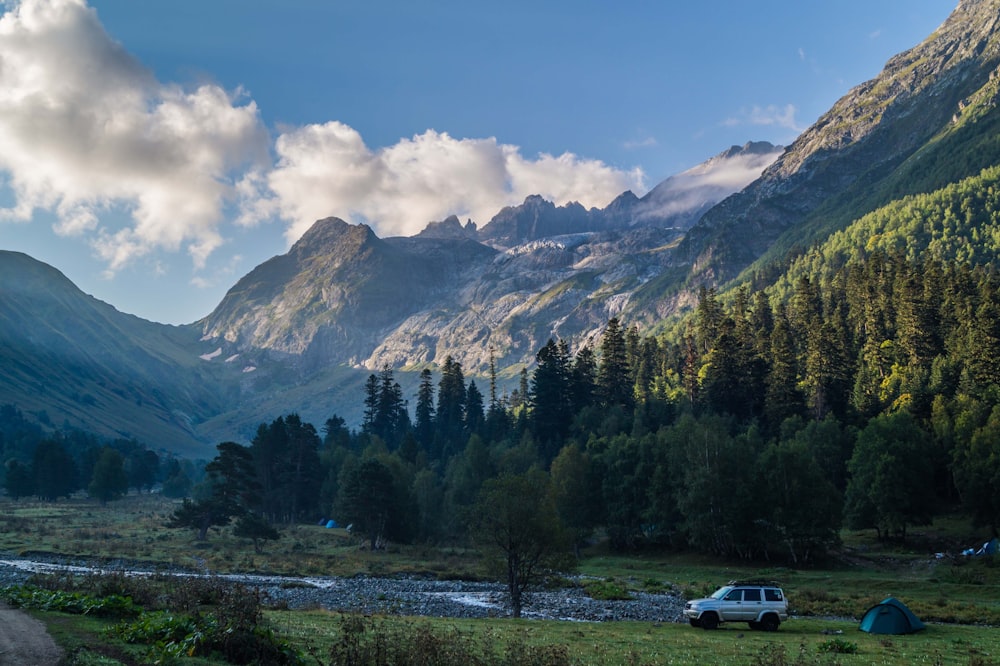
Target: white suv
x=762, y=605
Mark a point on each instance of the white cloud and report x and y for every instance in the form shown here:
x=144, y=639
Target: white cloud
x=707, y=183
x=85, y=131
x=771, y=115
x=327, y=169
x=135, y=166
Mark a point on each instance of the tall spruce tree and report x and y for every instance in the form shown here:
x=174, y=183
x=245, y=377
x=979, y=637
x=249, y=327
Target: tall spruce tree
x=450, y=423
x=551, y=400
x=614, y=385
x=424, y=426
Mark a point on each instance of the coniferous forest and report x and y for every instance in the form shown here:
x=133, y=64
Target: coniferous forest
x=859, y=389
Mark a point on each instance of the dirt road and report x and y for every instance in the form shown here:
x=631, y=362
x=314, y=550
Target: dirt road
x=24, y=641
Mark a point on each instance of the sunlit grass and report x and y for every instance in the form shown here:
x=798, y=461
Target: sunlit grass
x=650, y=643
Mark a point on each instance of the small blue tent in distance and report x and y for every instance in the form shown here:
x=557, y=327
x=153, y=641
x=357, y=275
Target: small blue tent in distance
x=891, y=616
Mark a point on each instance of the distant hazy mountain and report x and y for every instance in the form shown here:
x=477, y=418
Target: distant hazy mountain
x=66, y=357
x=676, y=203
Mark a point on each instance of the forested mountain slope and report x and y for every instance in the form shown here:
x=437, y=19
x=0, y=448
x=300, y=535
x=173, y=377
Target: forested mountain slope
x=76, y=359
x=928, y=119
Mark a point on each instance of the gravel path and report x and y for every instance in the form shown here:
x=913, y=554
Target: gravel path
x=408, y=596
x=24, y=641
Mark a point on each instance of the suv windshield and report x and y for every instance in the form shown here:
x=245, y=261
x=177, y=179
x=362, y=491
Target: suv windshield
x=721, y=592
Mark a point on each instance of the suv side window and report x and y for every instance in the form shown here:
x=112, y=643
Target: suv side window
x=772, y=594
x=751, y=595
x=735, y=595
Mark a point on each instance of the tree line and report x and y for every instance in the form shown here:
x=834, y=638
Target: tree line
x=56, y=464
x=859, y=391
x=866, y=397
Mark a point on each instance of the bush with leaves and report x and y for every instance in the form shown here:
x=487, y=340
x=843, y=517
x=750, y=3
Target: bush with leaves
x=364, y=641
x=74, y=603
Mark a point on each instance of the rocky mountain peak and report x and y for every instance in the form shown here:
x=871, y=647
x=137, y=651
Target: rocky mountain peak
x=450, y=227
x=330, y=233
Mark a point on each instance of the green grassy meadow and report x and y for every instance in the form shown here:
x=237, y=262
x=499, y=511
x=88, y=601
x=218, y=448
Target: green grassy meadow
x=959, y=598
x=599, y=644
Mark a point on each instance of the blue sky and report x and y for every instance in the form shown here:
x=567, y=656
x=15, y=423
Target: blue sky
x=156, y=151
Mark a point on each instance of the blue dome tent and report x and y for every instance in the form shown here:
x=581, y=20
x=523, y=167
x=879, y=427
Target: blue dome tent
x=891, y=616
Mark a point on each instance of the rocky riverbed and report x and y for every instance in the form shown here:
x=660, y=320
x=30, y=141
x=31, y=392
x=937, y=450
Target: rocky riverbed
x=397, y=595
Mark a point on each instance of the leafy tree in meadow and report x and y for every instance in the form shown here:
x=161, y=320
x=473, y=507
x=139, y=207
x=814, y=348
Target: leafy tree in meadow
x=257, y=529
x=176, y=482
x=287, y=467
x=891, y=477
x=367, y=498
x=54, y=471
x=142, y=467
x=109, y=481
x=516, y=518
x=976, y=467
x=800, y=507
x=18, y=480
x=232, y=490
x=430, y=504
x=573, y=493
x=625, y=475
x=718, y=493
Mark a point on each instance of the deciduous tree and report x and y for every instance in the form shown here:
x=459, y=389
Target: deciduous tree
x=516, y=517
x=109, y=481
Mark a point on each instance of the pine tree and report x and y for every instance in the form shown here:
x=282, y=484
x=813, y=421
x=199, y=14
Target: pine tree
x=474, y=417
x=782, y=398
x=425, y=410
x=450, y=422
x=583, y=379
x=551, y=401
x=614, y=385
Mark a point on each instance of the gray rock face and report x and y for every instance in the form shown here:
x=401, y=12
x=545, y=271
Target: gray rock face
x=535, y=271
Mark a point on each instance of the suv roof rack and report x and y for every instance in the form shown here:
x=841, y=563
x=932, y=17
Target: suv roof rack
x=765, y=583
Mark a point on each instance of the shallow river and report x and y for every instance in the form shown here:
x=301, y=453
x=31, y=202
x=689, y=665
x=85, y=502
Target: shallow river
x=403, y=596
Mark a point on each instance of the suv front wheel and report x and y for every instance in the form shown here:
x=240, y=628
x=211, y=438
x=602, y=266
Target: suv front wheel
x=709, y=621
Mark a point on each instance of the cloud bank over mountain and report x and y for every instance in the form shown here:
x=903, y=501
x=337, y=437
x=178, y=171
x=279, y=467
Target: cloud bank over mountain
x=399, y=189
x=135, y=166
x=85, y=128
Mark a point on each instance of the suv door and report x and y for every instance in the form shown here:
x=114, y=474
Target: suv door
x=753, y=603
x=731, y=605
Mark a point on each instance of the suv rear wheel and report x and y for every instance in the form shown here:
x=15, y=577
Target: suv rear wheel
x=769, y=622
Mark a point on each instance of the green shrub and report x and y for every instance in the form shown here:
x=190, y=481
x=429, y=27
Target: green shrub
x=606, y=590
x=364, y=641
x=838, y=646
x=74, y=603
